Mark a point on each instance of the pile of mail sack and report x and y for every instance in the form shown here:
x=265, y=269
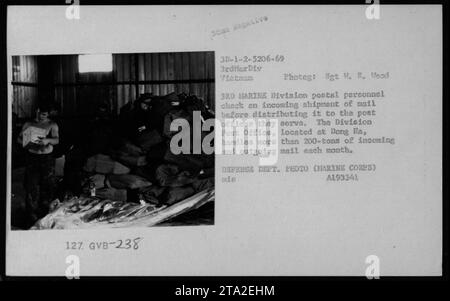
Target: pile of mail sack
x=141, y=169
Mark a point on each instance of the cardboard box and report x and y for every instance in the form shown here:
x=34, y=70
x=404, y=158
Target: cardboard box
x=99, y=180
x=105, y=165
x=128, y=181
x=31, y=136
x=113, y=194
x=133, y=160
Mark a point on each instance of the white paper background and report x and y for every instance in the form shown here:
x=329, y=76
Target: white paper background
x=274, y=225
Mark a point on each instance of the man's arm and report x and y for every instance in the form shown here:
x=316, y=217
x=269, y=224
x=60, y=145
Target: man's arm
x=20, y=137
x=54, y=136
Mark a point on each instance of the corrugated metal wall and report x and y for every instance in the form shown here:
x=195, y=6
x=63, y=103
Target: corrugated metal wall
x=164, y=73
x=79, y=94
x=65, y=70
x=24, y=69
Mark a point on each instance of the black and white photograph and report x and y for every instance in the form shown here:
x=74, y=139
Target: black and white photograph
x=91, y=140
x=201, y=141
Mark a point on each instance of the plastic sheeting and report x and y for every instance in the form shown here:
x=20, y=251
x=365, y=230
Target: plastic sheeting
x=86, y=212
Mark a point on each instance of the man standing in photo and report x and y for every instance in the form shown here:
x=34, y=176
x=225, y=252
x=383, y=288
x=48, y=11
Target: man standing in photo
x=39, y=136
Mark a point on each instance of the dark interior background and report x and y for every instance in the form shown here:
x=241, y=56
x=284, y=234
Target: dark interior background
x=77, y=95
x=56, y=77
